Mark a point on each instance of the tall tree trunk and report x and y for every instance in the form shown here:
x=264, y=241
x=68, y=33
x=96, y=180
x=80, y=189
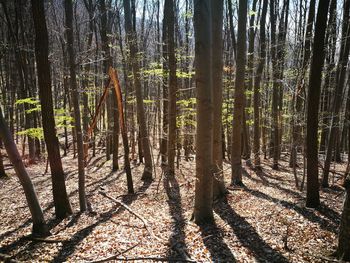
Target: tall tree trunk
x=250, y=72
x=274, y=134
x=169, y=7
x=132, y=43
x=60, y=197
x=300, y=89
x=239, y=103
x=203, y=207
x=338, y=96
x=258, y=76
x=312, y=194
x=75, y=98
x=164, y=138
x=217, y=22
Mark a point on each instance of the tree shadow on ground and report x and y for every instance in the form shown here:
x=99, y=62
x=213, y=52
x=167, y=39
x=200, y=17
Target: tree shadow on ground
x=326, y=211
x=177, y=244
x=308, y=214
x=69, y=246
x=212, y=237
x=247, y=235
x=52, y=222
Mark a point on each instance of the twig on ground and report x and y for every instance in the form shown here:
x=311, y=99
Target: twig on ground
x=155, y=259
x=125, y=206
x=114, y=256
x=132, y=212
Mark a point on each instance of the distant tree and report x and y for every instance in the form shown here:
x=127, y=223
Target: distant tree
x=239, y=102
x=298, y=116
x=203, y=207
x=39, y=226
x=259, y=72
x=60, y=197
x=312, y=194
x=165, y=121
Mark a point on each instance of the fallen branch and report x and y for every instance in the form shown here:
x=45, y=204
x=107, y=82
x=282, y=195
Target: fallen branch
x=132, y=212
x=154, y=259
x=125, y=206
x=114, y=256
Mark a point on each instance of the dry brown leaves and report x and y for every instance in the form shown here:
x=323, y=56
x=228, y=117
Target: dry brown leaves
x=264, y=222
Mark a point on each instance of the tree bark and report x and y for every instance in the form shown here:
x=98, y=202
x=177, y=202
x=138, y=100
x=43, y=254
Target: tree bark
x=60, y=197
x=75, y=98
x=258, y=77
x=203, y=207
x=312, y=193
x=169, y=8
x=132, y=43
x=39, y=226
x=338, y=96
x=239, y=102
x=217, y=21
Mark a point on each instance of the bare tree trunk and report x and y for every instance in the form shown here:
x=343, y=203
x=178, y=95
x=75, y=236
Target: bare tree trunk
x=217, y=21
x=338, y=96
x=169, y=8
x=300, y=89
x=203, y=207
x=312, y=194
x=75, y=98
x=114, y=76
x=60, y=197
x=239, y=103
x=258, y=76
x=132, y=43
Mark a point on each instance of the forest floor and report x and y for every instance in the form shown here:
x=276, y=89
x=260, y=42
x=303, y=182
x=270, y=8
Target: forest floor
x=266, y=221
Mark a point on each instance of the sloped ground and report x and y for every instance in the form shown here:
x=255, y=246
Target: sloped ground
x=264, y=222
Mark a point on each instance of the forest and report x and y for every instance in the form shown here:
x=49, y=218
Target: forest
x=174, y=131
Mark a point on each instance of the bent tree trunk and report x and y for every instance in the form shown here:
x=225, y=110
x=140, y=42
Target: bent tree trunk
x=60, y=197
x=114, y=76
x=39, y=226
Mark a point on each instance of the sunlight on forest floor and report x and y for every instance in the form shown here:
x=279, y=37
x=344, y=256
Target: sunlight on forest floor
x=266, y=221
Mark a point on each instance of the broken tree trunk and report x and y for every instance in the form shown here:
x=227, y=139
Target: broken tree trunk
x=114, y=76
